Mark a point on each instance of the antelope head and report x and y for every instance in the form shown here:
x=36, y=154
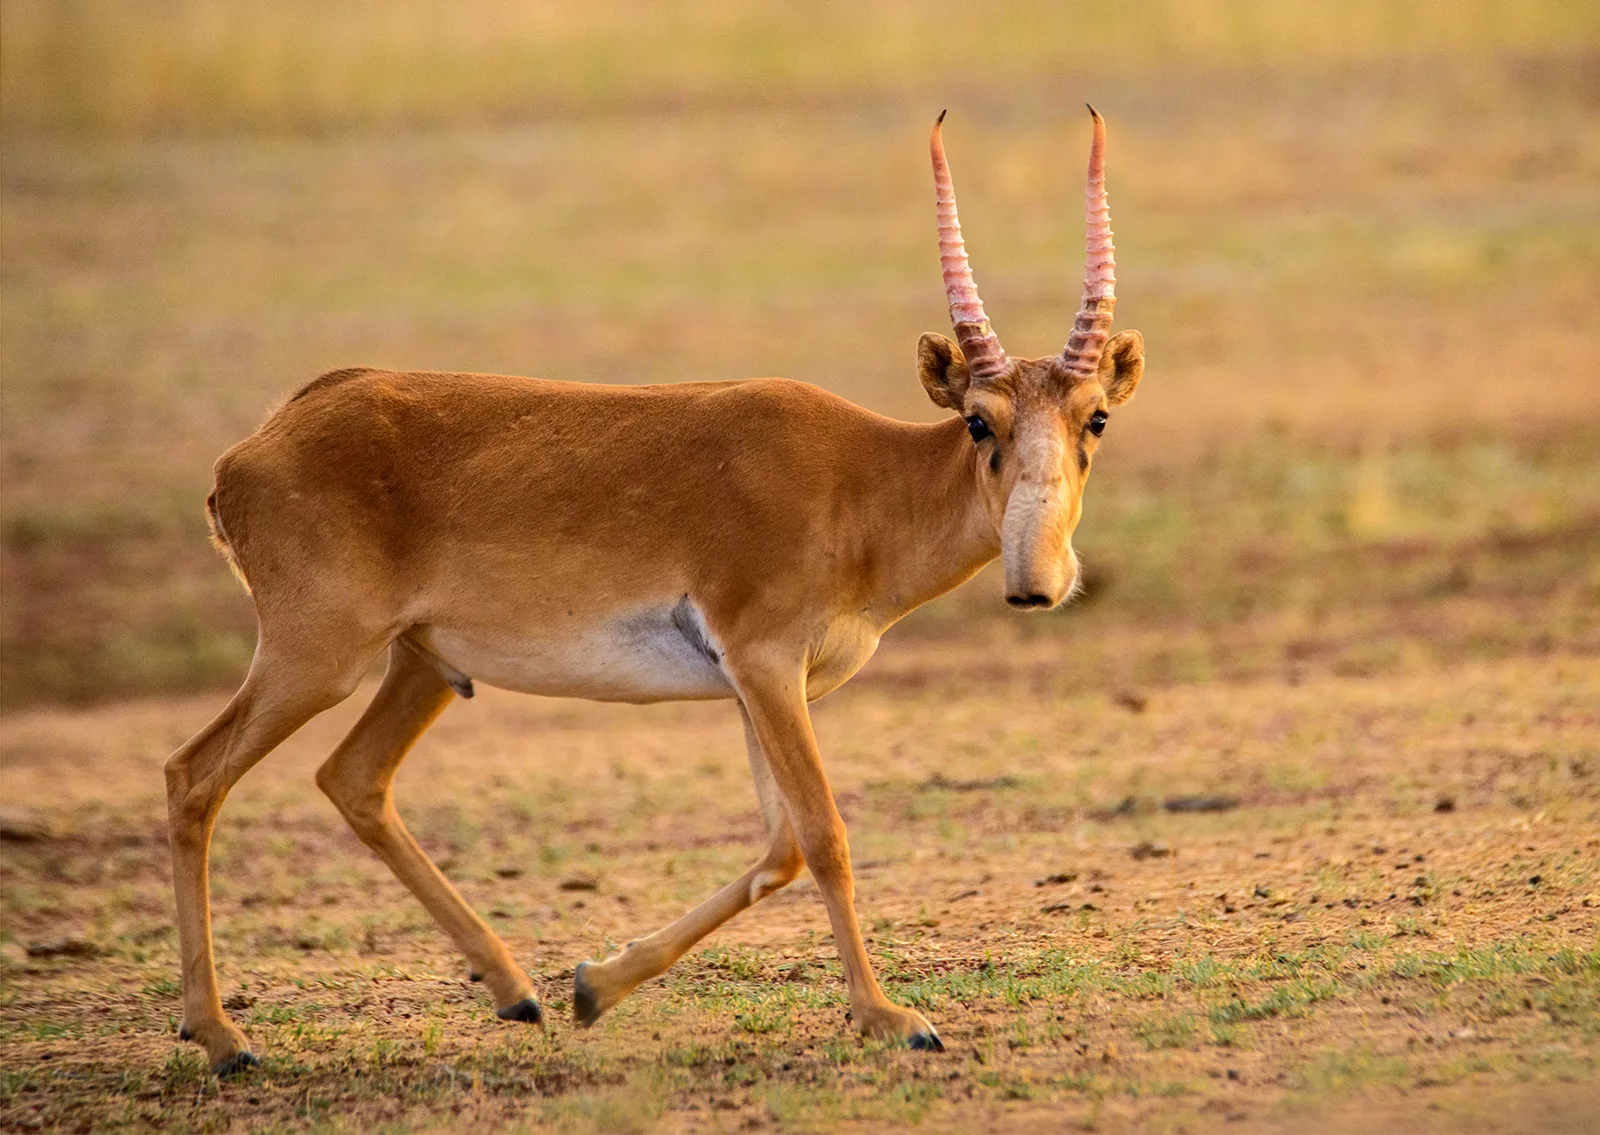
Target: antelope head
x=1035, y=423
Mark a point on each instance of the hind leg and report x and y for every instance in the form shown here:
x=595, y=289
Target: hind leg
x=359, y=779
x=278, y=696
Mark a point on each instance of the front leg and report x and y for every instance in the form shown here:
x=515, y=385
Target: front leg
x=597, y=986
x=774, y=700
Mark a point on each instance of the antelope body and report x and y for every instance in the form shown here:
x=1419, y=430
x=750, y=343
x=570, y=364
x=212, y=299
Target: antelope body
x=745, y=540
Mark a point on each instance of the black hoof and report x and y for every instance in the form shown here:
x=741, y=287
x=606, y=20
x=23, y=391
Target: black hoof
x=585, y=1005
x=527, y=1010
x=184, y=1034
x=927, y=1042
x=474, y=976
x=236, y=1064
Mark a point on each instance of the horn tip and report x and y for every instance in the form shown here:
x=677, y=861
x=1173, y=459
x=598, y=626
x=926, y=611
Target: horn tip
x=940, y=120
x=1093, y=113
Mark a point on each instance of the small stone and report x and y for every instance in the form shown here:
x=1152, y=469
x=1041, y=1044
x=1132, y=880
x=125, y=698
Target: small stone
x=19, y=827
x=1057, y=879
x=1145, y=849
x=64, y=948
x=1201, y=803
x=1131, y=700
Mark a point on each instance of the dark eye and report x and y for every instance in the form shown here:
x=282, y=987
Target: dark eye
x=1097, y=423
x=979, y=429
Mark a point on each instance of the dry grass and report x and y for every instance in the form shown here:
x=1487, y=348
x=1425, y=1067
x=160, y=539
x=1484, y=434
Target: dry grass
x=220, y=65
x=1369, y=294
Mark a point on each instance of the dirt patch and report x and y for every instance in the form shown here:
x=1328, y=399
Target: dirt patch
x=1301, y=958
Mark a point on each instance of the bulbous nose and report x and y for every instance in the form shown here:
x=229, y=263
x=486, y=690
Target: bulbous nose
x=1047, y=586
x=1036, y=543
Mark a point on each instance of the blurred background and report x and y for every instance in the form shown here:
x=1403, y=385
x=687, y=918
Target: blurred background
x=1362, y=241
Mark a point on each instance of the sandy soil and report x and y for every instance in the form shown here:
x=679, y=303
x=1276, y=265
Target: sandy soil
x=1391, y=923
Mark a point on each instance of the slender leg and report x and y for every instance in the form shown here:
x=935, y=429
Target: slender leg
x=359, y=779
x=276, y=699
x=598, y=986
x=776, y=704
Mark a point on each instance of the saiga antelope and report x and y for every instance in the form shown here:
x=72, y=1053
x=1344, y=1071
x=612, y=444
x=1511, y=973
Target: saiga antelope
x=742, y=540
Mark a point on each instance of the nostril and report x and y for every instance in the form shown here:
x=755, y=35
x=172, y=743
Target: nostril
x=1034, y=600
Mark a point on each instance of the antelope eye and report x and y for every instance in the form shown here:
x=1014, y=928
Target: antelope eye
x=979, y=429
x=1097, y=422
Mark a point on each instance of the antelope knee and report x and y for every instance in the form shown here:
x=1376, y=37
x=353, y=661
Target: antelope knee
x=190, y=806
x=776, y=873
x=362, y=809
x=180, y=782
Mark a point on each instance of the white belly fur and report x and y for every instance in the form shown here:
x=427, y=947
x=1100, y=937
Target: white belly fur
x=657, y=653
x=644, y=656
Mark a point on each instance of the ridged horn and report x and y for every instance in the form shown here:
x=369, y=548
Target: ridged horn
x=986, y=359
x=1092, y=327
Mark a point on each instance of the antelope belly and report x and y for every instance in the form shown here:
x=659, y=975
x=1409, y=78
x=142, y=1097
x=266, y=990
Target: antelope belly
x=653, y=654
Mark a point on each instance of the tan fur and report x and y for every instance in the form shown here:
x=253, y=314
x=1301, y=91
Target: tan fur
x=747, y=540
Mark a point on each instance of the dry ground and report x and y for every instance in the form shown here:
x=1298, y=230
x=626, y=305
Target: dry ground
x=1344, y=550
x=1396, y=924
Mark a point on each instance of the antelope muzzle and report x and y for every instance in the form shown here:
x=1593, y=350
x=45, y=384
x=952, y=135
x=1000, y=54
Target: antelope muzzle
x=1041, y=569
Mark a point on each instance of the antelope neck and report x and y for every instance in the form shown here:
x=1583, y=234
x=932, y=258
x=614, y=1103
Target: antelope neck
x=927, y=530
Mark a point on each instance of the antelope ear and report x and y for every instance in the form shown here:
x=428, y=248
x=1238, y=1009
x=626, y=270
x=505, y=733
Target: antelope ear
x=1122, y=366
x=943, y=370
